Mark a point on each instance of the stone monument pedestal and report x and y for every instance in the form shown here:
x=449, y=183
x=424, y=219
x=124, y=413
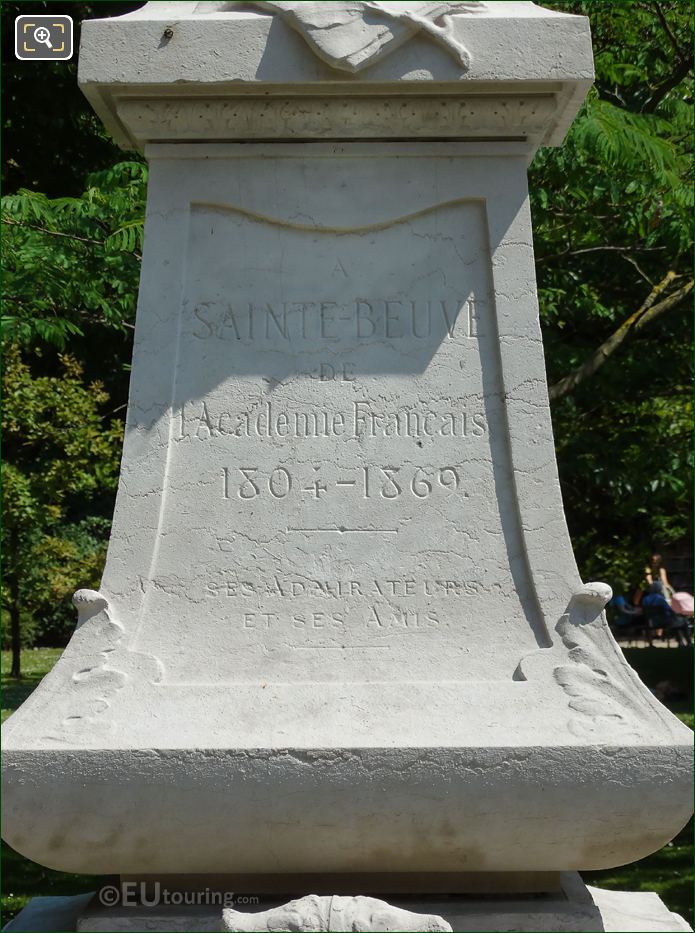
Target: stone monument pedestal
x=340, y=629
x=573, y=907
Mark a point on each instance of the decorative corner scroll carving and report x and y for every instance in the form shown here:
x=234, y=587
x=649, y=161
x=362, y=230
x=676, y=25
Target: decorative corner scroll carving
x=316, y=913
x=105, y=666
x=598, y=695
x=352, y=36
x=602, y=693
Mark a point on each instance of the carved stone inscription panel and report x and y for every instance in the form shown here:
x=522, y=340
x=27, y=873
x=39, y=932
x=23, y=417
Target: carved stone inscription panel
x=339, y=468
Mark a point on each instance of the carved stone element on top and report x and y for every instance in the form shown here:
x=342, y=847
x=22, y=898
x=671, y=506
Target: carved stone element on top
x=316, y=913
x=351, y=36
x=212, y=53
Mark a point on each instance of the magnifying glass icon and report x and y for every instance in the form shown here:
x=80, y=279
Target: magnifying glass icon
x=43, y=35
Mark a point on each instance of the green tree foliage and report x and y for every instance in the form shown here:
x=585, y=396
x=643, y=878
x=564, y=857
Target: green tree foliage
x=53, y=139
x=71, y=272
x=59, y=456
x=71, y=268
x=612, y=211
x=72, y=264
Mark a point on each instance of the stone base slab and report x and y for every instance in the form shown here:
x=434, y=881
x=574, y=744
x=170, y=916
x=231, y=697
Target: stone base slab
x=375, y=884
x=576, y=908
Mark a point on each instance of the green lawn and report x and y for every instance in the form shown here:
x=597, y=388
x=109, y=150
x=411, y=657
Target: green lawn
x=668, y=872
x=22, y=879
x=36, y=663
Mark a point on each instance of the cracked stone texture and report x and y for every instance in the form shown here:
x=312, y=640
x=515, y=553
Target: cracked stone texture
x=341, y=626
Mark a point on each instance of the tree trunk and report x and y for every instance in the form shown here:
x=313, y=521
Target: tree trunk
x=15, y=630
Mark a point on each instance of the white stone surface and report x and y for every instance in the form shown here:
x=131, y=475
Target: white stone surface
x=576, y=908
x=173, y=71
x=313, y=912
x=340, y=628
x=635, y=911
x=353, y=36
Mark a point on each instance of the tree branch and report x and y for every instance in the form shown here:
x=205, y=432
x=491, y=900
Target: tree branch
x=601, y=249
x=648, y=311
x=68, y=236
x=667, y=29
x=685, y=65
x=633, y=262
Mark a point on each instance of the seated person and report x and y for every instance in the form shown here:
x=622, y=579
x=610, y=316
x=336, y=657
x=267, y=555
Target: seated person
x=655, y=573
x=654, y=603
x=624, y=612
